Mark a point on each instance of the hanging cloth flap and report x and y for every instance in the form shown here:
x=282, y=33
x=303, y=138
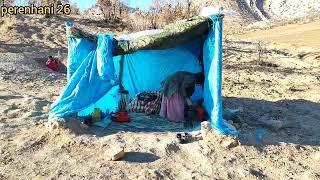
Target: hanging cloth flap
x=213, y=83
x=85, y=85
x=105, y=64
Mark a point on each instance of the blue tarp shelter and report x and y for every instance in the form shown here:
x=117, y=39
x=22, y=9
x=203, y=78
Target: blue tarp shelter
x=94, y=73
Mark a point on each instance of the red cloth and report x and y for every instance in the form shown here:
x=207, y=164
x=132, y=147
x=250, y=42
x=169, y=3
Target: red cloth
x=200, y=113
x=53, y=64
x=173, y=108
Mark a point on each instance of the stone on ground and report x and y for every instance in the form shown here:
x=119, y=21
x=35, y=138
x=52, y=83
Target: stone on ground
x=114, y=153
x=230, y=142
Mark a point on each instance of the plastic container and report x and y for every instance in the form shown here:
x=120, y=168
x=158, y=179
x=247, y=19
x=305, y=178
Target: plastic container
x=124, y=100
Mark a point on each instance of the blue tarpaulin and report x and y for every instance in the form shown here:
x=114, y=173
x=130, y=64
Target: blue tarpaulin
x=144, y=70
x=93, y=74
x=85, y=85
x=212, y=60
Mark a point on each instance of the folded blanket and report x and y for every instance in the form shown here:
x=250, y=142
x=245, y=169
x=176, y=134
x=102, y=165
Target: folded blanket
x=146, y=102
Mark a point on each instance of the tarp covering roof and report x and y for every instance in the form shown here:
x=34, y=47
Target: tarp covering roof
x=172, y=35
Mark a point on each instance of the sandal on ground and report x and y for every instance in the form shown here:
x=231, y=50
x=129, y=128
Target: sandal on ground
x=184, y=138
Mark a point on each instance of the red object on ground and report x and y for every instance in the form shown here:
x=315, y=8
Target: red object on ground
x=53, y=64
x=200, y=113
x=121, y=116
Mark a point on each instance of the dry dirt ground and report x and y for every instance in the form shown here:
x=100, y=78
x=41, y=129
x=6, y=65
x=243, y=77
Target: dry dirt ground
x=278, y=93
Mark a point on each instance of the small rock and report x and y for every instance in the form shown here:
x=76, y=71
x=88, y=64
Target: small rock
x=84, y=126
x=316, y=156
x=245, y=125
x=231, y=126
x=205, y=128
x=243, y=172
x=14, y=113
x=236, y=125
x=230, y=114
x=257, y=173
x=275, y=125
x=298, y=88
x=230, y=121
x=299, y=147
x=62, y=146
x=4, y=108
x=114, y=153
x=230, y=143
x=32, y=114
x=291, y=159
x=3, y=125
x=172, y=148
x=283, y=143
x=36, y=119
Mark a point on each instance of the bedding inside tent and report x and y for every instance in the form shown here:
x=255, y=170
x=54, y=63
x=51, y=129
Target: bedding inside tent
x=95, y=74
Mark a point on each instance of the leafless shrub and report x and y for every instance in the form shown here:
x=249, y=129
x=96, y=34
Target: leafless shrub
x=261, y=49
x=263, y=55
x=112, y=9
x=161, y=13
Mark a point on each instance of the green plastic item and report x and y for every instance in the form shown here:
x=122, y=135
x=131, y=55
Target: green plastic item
x=96, y=115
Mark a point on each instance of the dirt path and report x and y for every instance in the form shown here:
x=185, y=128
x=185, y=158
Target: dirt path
x=300, y=36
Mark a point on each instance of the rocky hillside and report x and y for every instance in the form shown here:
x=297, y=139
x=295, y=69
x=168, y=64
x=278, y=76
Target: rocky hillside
x=289, y=8
x=268, y=9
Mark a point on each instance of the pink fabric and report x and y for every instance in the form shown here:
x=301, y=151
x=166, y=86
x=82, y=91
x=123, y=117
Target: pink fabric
x=173, y=108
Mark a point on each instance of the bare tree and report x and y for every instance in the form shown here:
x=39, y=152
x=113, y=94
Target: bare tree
x=112, y=9
x=155, y=9
x=161, y=12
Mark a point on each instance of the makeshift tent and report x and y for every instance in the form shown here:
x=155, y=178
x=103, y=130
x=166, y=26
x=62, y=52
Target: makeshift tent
x=98, y=66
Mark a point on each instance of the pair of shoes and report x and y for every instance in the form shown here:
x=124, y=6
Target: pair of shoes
x=184, y=138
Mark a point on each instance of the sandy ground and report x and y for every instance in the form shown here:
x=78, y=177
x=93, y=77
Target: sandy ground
x=278, y=93
x=294, y=35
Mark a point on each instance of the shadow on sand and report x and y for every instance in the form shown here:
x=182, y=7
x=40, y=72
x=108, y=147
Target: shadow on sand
x=140, y=157
x=299, y=121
